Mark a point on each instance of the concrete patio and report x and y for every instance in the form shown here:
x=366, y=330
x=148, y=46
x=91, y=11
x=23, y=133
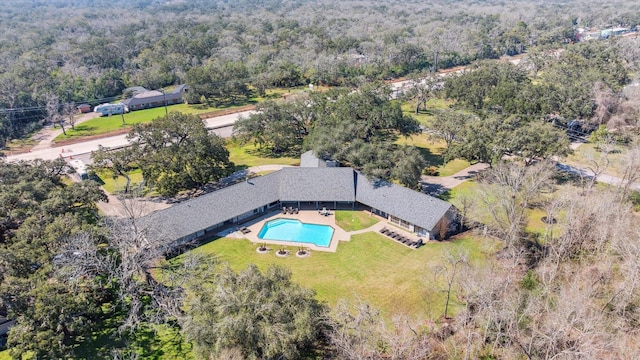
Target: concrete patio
x=305, y=216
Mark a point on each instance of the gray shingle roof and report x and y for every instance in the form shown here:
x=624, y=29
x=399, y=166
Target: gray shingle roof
x=309, y=160
x=415, y=207
x=293, y=184
x=156, y=96
x=317, y=184
x=216, y=207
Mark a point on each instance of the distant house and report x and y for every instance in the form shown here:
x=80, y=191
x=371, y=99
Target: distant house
x=84, y=108
x=304, y=188
x=146, y=99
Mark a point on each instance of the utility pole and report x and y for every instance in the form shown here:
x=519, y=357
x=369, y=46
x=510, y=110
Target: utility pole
x=164, y=97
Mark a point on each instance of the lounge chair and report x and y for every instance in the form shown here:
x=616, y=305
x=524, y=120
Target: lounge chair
x=295, y=211
x=245, y=230
x=284, y=209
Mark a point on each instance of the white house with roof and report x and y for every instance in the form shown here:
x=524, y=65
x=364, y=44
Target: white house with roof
x=304, y=188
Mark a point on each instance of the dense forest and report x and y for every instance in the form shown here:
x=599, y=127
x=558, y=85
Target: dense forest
x=83, y=285
x=88, y=52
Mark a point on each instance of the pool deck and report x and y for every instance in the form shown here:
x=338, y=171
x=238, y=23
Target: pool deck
x=305, y=216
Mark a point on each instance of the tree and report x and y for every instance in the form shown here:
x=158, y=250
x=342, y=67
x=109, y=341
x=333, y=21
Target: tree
x=278, y=126
x=450, y=269
x=70, y=110
x=53, y=111
x=407, y=165
x=118, y=162
x=176, y=153
x=448, y=124
x=422, y=88
x=480, y=141
x=261, y=315
x=37, y=212
x=506, y=191
x=536, y=140
x=359, y=129
x=359, y=332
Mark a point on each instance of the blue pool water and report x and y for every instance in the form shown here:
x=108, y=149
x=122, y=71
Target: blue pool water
x=296, y=231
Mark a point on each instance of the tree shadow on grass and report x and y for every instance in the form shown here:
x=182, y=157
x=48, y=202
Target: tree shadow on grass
x=436, y=160
x=96, y=178
x=436, y=190
x=265, y=152
x=84, y=127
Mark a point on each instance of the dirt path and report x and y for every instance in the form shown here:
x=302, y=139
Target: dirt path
x=46, y=135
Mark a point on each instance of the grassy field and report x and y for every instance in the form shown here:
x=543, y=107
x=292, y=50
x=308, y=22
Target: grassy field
x=581, y=157
x=354, y=220
x=115, y=185
x=386, y=274
x=103, y=125
x=248, y=155
x=432, y=150
x=106, y=124
x=4, y=355
x=425, y=117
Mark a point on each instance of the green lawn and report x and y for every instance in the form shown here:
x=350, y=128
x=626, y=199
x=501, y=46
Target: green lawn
x=112, y=123
x=425, y=117
x=4, y=355
x=118, y=184
x=432, y=150
x=581, y=157
x=249, y=155
x=106, y=124
x=354, y=220
x=386, y=274
x=454, y=195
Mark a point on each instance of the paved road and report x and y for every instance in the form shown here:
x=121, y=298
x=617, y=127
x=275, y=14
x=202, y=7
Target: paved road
x=603, y=178
x=222, y=125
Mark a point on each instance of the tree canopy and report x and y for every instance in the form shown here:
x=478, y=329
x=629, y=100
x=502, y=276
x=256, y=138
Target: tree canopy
x=174, y=153
x=261, y=315
x=358, y=128
x=38, y=212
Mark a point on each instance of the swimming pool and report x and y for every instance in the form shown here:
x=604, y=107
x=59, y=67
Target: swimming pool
x=296, y=231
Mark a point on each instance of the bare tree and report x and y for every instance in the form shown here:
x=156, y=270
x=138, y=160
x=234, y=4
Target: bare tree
x=606, y=101
x=130, y=258
x=598, y=164
x=505, y=193
x=631, y=172
x=53, y=110
x=69, y=110
x=359, y=332
x=450, y=269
